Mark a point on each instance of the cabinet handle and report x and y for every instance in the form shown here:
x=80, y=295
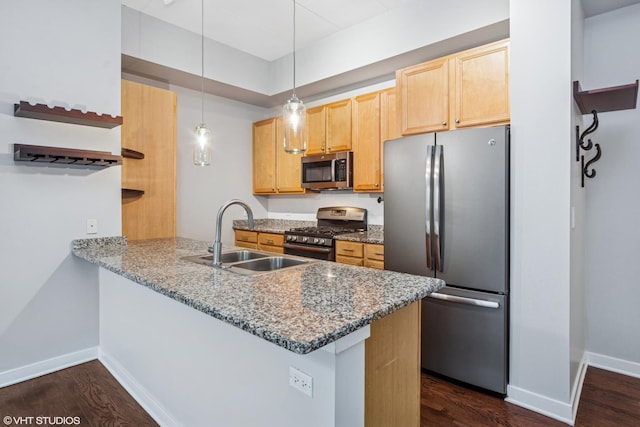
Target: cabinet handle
x=375, y=185
x=457, y=120
x=244, y=238
x=378, y=253
x=347, y=249
x=270, y=241
x=444, y=123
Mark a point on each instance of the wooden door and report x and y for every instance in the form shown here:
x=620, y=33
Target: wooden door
x=338, y=126
x=149, y=127
x=316, y=136
x=264, y=157
x=288, y=166
x=367, y=158
x=423, y=92
x=481, y=89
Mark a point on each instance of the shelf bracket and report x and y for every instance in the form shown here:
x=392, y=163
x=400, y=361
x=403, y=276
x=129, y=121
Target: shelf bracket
x=587, y=146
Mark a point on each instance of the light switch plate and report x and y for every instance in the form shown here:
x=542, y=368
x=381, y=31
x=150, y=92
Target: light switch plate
x=92, y=226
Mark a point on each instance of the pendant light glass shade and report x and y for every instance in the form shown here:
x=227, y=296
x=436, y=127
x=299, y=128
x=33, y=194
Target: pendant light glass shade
x=294, y=118
x=294, y=113
x=202, y=149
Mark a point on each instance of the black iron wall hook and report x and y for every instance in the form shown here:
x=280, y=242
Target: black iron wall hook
x=580, y=144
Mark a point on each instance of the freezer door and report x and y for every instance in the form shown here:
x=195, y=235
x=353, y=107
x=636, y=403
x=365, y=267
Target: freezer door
x=471, y=208
x=407, y=193
x=464, y=337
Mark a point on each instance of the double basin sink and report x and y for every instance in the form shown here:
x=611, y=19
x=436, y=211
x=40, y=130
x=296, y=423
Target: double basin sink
x=250, y=263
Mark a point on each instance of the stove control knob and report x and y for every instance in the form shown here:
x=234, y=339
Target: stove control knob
x=316, y=240
x=320, y=241
x=290, y=238
x=305, y=239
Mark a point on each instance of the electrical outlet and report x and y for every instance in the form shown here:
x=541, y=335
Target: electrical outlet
x=92, y=226
x=301, y=381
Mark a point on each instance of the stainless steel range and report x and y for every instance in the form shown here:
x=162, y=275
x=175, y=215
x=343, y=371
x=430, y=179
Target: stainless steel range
x=318, y=242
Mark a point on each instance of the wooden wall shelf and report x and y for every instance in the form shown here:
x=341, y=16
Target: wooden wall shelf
x=132, y=154
x=62, y=115
x=130, y=192
x=607, y=99
x=67, y=156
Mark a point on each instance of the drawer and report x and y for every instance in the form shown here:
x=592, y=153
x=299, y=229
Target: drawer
x=373, y=263
x=245, y=236
x=374, y=252
x=349, y=260
x=270, y=239
x=350, y=249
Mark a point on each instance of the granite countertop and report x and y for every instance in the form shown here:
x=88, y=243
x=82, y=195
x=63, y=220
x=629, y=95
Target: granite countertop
x=374, y=233
x=301, y=308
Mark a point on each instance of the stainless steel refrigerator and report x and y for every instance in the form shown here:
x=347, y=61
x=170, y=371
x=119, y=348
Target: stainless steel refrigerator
x=446, y=214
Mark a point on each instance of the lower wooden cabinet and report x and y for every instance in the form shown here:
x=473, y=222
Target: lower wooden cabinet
x=269, y=242
x=246, y=239
x=361, y=254
x=392, y=370
x=392, y=352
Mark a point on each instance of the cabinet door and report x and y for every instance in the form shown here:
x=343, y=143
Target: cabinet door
x=423, y=92
x=389, y=124
x=288, y=174
x=338, y=126
x=367, y=158
x=481, y=90
x=316, y=136
x=264, y=157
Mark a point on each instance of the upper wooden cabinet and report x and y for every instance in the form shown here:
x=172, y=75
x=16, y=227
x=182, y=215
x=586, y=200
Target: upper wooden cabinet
x=149, y=127
x=470, y=88
x=274, y=171
x=423, y=91
x=329, y=128
x=374, y=121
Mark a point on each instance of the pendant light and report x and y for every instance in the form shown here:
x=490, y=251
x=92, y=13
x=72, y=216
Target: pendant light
x=202, y=147
x=294, y=113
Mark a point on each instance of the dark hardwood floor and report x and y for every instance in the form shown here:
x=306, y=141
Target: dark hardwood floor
x=607, y=400
x=89, y=392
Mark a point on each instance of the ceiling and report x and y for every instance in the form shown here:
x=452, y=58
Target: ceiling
x=596, y=7
x=264, y=28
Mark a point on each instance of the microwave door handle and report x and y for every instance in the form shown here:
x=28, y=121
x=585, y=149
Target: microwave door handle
x=438, y=208
x=333, y=170
x=428, y=181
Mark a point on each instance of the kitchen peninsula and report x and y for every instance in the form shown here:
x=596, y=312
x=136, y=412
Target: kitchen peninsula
x=191, y=359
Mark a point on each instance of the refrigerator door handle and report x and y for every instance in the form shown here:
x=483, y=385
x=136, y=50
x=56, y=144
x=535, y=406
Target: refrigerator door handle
x=463, y=300
x=427, y=176
x=438, y=208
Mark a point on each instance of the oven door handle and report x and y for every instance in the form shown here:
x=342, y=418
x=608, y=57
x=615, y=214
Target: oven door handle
x=307, y=248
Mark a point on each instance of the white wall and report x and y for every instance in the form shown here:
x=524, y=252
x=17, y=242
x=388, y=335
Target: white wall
x=68, y=53
x=613, y=205
x=541, y=116
x=578, y=228
x=202, y=190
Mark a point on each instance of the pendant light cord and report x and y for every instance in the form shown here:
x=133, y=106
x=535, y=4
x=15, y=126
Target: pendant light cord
x=202, y=62
x=294, y=47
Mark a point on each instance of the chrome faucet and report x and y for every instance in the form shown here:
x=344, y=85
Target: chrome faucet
x=217, y=245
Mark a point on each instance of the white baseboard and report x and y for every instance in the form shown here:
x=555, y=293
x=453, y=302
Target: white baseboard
x=141, y=395
x=613, y=364
x=48, y=366
x=544, y=405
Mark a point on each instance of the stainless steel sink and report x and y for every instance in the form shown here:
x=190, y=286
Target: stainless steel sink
x=270, y=264
x=226, y=257
x=250, y=262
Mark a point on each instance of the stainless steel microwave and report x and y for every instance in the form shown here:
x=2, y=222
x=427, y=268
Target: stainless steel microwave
x=332, y=171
